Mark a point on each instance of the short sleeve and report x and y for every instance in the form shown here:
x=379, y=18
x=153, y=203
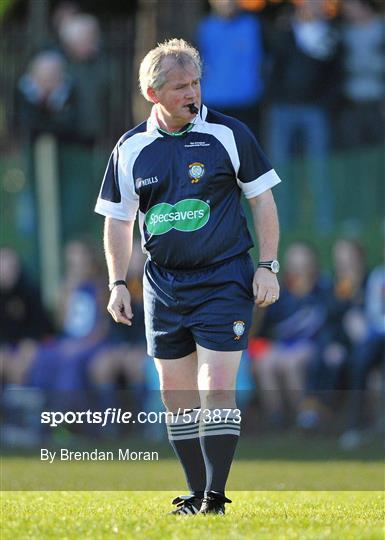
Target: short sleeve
x=255, y=173
x=117, y=197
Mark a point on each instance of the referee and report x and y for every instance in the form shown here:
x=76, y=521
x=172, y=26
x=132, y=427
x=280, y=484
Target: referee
x=184, y=170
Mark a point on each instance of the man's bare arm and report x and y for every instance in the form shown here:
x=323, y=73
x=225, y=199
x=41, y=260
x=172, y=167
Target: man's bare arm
x=118, y=236
x=265, y=217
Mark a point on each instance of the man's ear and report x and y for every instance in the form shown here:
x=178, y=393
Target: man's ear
x=152, y=95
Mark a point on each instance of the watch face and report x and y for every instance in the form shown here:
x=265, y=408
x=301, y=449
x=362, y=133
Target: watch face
x=275, y=267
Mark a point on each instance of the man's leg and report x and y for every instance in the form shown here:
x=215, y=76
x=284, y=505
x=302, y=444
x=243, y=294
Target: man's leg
x=178, y=383
x=220, y=421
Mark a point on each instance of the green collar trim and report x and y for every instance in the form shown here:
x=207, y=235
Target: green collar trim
x=177, y=133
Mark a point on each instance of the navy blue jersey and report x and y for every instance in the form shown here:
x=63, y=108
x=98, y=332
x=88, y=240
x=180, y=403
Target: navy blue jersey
x=187, y=188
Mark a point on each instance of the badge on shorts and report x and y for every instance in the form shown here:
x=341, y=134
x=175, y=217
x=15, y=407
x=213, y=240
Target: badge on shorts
x=196, y=171
x=238, y=329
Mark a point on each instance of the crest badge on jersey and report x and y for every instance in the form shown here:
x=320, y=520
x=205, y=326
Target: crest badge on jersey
x=196, y=171
x=238, y=329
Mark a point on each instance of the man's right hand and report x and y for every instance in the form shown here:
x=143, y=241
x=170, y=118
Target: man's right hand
x=119, y=305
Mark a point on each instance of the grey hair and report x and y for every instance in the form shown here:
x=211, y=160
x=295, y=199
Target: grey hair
x=152, y=73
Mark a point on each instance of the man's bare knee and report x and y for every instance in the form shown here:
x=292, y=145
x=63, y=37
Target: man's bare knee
x=214, y=399
x=180, y=399
x=178, y=382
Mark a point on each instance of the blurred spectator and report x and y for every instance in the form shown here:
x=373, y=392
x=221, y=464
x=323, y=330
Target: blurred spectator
x=304, y=83
x=62, y=364
x=67, y=97
x=230, y=42
x=368, y=353
x=45, y=105
x=46, y=97
x=80, y=308
x=292, y=327
x=23, y=320
x=65, y=89
x=345, y=328
x=362, y=118
x=80, y=38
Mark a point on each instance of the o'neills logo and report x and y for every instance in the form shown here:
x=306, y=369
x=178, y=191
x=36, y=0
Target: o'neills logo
x=140, y=182
x=187, y=215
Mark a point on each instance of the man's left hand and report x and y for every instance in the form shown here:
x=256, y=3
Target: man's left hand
x=265, y=287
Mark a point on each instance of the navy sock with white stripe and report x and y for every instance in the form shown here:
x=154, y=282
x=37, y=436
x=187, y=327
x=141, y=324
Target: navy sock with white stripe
x=219, y=434
x=183, y=435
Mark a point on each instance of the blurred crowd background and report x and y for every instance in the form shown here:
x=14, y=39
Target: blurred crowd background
x=308, y=78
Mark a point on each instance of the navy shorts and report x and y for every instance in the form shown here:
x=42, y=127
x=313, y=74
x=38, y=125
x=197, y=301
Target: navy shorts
x=212, y=307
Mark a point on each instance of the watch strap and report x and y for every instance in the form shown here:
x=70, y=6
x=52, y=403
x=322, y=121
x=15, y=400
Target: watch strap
x=265, y=264
x=117, y=282
x=273, y=265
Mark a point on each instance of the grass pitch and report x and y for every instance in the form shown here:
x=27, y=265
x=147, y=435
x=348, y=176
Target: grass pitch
x=142, y=515
x=328, y=495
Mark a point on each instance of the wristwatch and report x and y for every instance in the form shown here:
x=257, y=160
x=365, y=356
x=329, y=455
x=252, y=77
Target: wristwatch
x=115, y=283
x=273, y=265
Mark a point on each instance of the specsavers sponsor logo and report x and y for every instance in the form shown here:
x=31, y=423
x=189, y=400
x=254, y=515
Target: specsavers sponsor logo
x=187, y=215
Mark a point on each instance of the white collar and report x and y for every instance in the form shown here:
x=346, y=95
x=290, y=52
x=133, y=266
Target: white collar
x=153, y=124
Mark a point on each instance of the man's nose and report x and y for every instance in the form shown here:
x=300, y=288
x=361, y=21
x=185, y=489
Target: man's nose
x=191, y=92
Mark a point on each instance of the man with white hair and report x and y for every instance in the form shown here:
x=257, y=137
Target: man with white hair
x=185, y=169
x=80, y=39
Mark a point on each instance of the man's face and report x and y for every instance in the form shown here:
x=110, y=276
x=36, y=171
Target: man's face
x=300, y=261
x=182, y=87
